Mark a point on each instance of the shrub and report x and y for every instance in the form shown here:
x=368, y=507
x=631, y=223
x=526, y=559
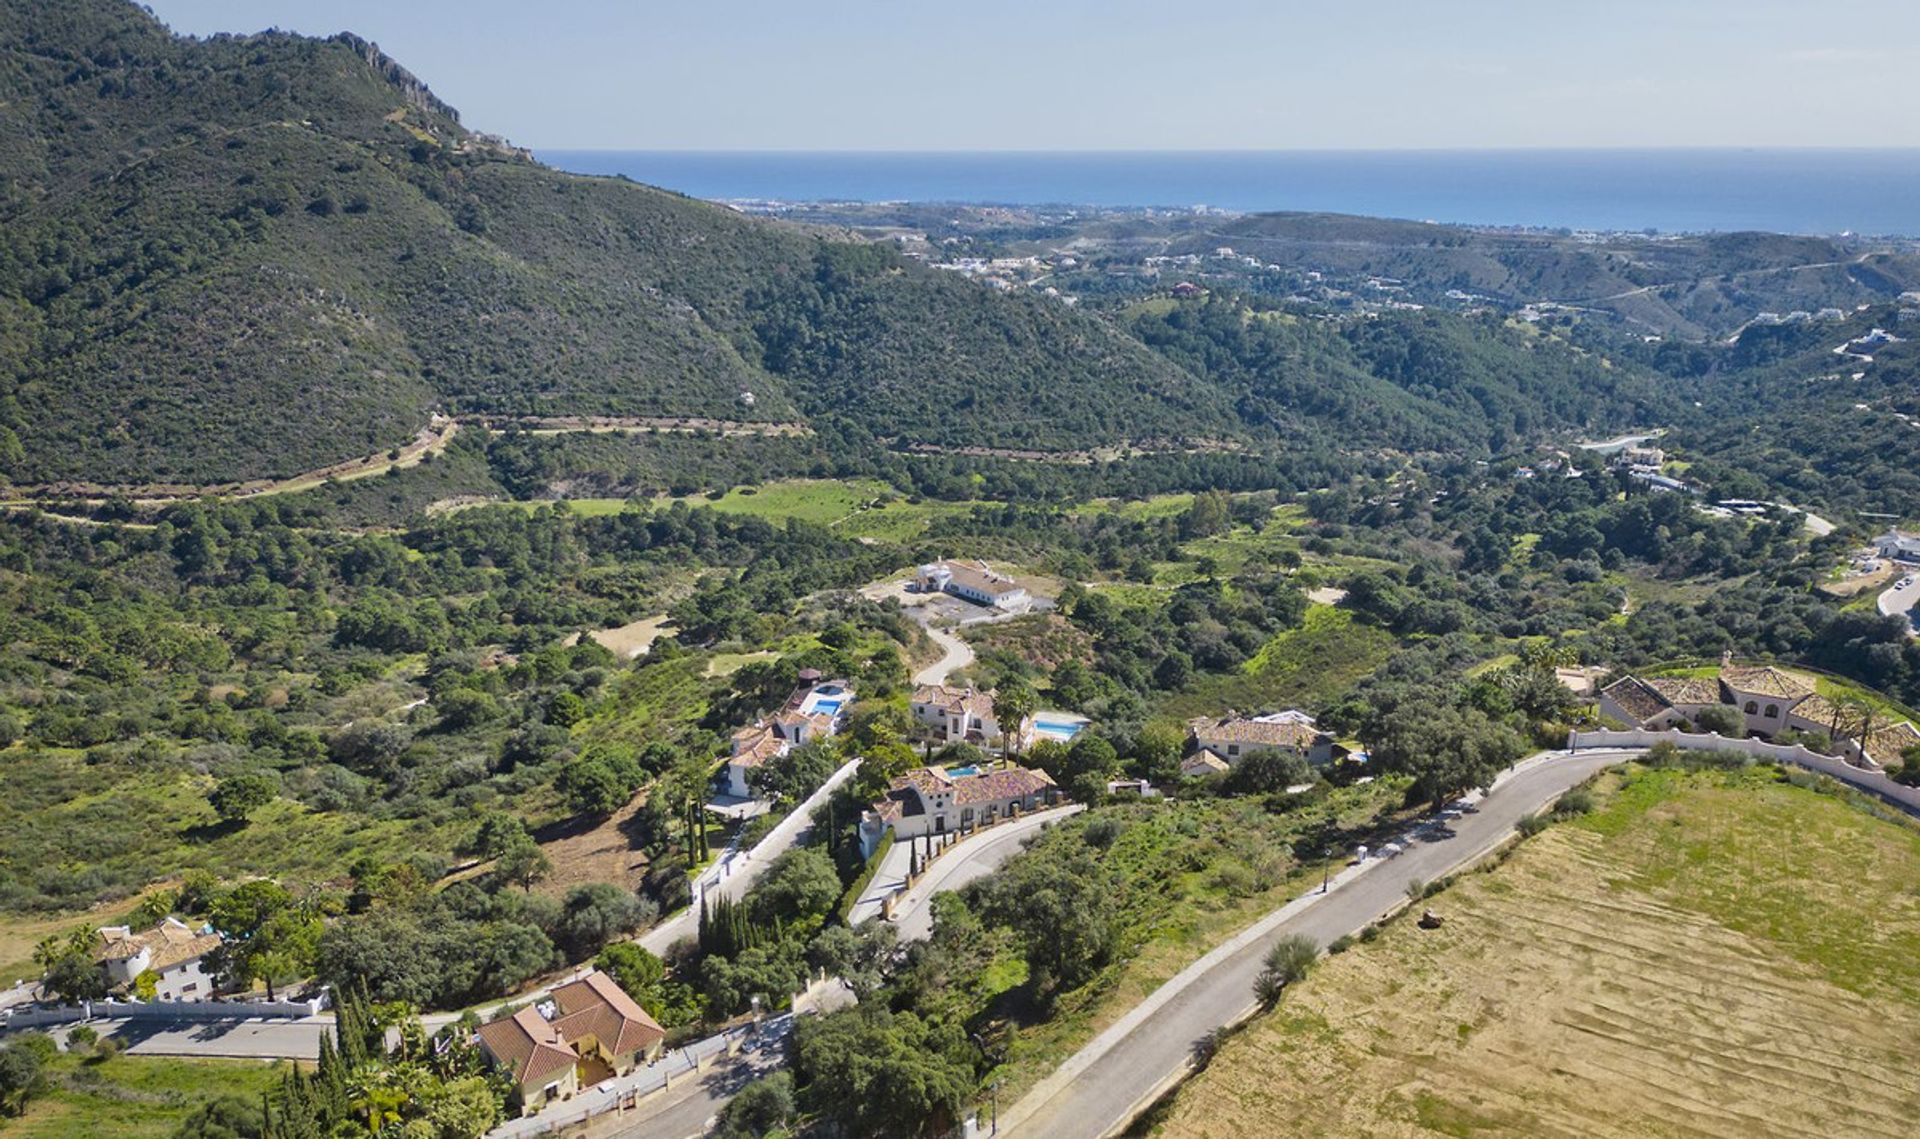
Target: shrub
x=1578, y=801
x=1530, y=825
x=1340, y=944
x=1416, y=890
x=1287, y=961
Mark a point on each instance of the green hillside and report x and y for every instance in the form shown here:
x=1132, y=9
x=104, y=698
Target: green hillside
x=256, y=255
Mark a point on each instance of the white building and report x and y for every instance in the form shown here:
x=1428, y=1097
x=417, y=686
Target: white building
x=814, y=711
x=1233, y=738
x=172, y=951
x=959, y=715
x=932, y=801
x=975, y=582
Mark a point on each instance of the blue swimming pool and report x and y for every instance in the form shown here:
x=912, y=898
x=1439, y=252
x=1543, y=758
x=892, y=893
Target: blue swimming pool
x=1057, y=728
x=962, y=772
x=830, y=707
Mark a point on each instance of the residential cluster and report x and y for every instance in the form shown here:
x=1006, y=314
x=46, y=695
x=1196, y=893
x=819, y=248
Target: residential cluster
x=815, y=711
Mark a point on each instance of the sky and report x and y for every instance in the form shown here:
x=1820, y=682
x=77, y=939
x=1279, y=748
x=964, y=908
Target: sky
x=1140, y=74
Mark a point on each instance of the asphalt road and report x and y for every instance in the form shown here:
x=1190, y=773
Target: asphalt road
x=1099, y=1090
x=971, y=859
x=236, y=1039
x=1900, y=600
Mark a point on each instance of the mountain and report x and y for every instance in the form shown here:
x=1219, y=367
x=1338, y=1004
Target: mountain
x=252, y=256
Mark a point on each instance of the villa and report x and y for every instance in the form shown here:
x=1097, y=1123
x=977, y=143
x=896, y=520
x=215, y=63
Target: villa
x=1895, y=545
x=975, y=582
x=1232, y=738
x=1770, y=700
x=934, y=800
x=173, y=952
x=587, y=1032
x=959, y=715
x=814, y=712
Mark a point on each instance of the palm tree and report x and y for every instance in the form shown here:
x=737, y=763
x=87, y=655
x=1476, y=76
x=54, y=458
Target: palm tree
x=1012, y=704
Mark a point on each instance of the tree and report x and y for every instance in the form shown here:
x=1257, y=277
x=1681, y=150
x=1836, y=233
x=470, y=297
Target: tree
x=876, y=1072
x=761, y=1108
x=1446, y=749
x=1722, y=718
x=1012, y=704
x=22, y=1071
x=1268, y=770
x=523, y=863
x=1065, y=909
x=800, y=888
x=237, y=797
x=1286, y=962
x=498, y=833
x=68, y=968
x=593, y=915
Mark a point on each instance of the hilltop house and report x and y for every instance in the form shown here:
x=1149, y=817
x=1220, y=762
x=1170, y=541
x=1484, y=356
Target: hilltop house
x=1770, y=700
x=975, y=582
x=931, y=800
x=174, y=952
x=1232, y=738
x=959, y=715
x=1897, y=546
x=587, y=1031
x=813, y=712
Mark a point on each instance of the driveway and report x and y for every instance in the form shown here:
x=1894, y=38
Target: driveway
x=972, y=858
x=1099, y=1090
x=958, y=655
x=1900, y=600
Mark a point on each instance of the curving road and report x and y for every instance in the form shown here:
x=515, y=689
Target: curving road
x=1899, y=600
x=970, y=859
x=1100, y=1089
x=958, y=655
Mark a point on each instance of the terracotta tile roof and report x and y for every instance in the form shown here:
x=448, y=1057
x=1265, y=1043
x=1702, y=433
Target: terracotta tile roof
x=1884, y=745
x=1259, y=733
x=169, y=943
x=970, y=701
x=1636, y=698
x=594, y=1003
x=528, y=1046
x=756, y=745
x=1765, y=680
x=1831, y=718
x=1007, y=783
x=1204, y=762
x=1685, y=689
x=536, y=1049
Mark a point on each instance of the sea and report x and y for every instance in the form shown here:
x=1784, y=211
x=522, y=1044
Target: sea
x=1809, y=191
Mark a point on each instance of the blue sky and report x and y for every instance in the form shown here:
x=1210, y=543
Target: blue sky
x=1129, y=74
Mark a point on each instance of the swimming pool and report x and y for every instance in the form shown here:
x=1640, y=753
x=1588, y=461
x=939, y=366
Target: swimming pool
x=1060, y=729
x=962, y=772
x=830, y=707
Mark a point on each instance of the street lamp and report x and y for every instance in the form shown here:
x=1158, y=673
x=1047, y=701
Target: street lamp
x=1326, y=869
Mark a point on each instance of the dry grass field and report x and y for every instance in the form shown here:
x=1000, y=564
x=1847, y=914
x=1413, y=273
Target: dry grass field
x=1706, y=955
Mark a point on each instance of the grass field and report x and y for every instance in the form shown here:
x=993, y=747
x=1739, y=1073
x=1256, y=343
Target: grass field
x=1311, y=666
x=1707, y=954
x=134, y=1097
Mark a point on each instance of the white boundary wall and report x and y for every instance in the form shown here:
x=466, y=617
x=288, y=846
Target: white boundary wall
x=1870, y=780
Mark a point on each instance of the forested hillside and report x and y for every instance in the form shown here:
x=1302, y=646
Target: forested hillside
x=254, y=256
